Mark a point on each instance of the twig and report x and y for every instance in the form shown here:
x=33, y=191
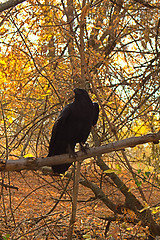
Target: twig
x=8, y=186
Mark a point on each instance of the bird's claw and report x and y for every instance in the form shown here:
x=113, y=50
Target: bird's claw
x=84, y=148
x=72, y=154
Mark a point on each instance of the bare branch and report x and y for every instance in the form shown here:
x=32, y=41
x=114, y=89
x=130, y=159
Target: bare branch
x=146, y=4
x=99, y=194
x=33, y=163
x=8, y=4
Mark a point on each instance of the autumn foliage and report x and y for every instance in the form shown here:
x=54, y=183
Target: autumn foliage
x=111, y=48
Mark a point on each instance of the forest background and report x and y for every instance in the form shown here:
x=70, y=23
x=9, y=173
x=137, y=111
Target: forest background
x=111, y=48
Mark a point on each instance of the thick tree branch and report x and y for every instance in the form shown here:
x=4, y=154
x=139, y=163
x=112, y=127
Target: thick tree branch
x=99, y=194
x=8, y=4
x=32, y=163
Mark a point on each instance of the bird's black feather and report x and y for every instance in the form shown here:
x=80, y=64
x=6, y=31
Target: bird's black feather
x=72, y=126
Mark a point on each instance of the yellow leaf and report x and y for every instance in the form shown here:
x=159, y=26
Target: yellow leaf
x=155, y=209
x=10, y=120
x=113, y=171
x=28, y=155
x=2, y=62
x=145, y=208
x=110, y=171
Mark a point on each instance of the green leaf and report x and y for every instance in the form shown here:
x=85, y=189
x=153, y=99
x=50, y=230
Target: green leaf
x=6, y=237
x=138, y=183
x=139, y=171
x=87, y=236
x=147, y=174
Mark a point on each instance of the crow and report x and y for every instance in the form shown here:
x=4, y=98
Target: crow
x=73, y=126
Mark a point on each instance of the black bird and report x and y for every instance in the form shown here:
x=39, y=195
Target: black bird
x=73, y=126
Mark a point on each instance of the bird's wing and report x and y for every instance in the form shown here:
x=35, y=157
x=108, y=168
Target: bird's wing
x=95, y=113
x=58, y=123
x=65, y=113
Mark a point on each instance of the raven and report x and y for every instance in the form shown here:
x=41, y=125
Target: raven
x=73, y=126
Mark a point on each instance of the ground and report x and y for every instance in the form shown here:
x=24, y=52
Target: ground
x=24, y=211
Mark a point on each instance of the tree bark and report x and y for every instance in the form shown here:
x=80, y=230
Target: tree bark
x=8, y=4
x=33, y=163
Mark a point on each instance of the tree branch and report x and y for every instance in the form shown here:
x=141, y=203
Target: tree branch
x=146, y=4
x=99, y=194
x=33, y=163
x=8, y=4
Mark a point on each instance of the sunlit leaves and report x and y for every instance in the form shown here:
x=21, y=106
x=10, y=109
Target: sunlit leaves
x=40, y=64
